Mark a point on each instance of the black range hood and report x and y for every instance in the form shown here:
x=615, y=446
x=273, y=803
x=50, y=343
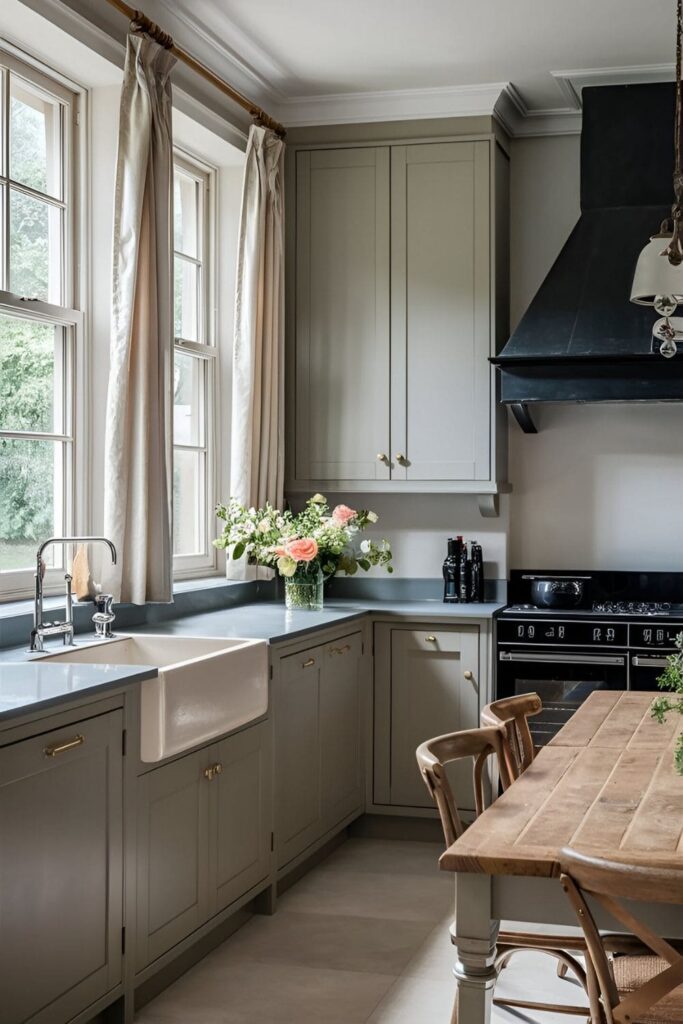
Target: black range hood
x=582, y=339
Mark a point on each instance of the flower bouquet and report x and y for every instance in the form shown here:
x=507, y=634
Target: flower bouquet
x=305, y=548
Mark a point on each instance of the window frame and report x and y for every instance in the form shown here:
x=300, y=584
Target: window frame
x=17, y=584
x=204, y=563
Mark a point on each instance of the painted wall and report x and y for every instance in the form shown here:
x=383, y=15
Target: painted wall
x=598, y=486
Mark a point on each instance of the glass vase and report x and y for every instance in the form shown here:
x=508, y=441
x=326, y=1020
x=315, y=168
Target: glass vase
x=304, y=590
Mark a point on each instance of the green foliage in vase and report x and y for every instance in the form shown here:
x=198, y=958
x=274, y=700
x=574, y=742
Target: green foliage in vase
x=297, y=544
x=671, y=679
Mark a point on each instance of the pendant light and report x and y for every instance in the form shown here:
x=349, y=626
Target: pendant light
x=658, y=277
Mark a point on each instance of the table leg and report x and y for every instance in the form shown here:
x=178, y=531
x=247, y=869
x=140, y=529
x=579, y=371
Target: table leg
x=475, y=940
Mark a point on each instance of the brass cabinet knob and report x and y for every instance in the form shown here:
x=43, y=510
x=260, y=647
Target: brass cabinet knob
x=401, y=459
x=467, y=674
x=382, y=457
x=430, y=639
x=308, y=663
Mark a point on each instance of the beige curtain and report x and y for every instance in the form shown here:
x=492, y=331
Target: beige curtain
x=138, y=446
x=257, y=459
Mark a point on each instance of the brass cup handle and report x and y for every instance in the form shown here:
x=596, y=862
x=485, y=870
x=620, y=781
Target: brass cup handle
x=340, y=650
x=213, y=770
x=61, y=748
x=308, y=663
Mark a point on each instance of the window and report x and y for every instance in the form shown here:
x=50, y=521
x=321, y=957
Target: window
x=194, y=369
x=39, y=325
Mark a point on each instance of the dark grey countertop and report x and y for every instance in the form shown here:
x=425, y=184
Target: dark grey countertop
x=35, y=685
x=31, y=684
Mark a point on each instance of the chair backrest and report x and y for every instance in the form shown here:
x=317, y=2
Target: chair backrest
x=435, y=754
x=608, y=883
x=512, y=714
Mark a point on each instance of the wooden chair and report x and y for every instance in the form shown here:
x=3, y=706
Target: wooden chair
x=480, y=744
x=512, y=715
x=645, y=987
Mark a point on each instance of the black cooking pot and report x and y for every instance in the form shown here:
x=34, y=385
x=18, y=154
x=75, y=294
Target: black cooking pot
x=562, y=592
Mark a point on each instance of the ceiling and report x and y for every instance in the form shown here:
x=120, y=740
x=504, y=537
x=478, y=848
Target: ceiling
x=312, y=57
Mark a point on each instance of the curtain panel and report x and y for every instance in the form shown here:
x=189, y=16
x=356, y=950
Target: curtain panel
x=257, y=449
x=138, y=446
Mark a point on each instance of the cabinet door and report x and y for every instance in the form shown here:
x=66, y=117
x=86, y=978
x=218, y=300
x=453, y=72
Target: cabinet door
x=341, y=755
x=241, y=807
x=297, y=753
x=441, y=311
x=342, y=315
x=421, y=691
x=61, y=876
x=173, y=863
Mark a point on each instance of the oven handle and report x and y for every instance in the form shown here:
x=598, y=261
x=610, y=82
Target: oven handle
x=643, y=661
x=565, y=659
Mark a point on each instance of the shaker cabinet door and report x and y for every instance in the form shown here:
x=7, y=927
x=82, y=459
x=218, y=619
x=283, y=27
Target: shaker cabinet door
x=241, y=808
x=342, y=315
x=61, y=875
x=440, y=311
x=341, y=764
x=173, y=858
x=426, y=684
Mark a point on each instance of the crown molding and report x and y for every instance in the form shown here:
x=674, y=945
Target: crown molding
x=572, y=83
x=390, y=105
x=521, y=121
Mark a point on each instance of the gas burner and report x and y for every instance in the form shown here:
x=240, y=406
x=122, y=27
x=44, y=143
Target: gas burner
x=632, y=607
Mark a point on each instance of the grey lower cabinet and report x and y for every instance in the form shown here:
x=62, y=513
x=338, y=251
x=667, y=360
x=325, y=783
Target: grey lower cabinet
x=426, y=684
x=318, y=743
x=61, y=874
x=204, y=837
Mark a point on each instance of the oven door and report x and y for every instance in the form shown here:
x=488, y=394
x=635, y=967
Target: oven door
x=646, y=669
x=562, y=679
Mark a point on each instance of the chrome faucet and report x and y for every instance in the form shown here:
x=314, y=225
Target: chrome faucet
x=64, y=629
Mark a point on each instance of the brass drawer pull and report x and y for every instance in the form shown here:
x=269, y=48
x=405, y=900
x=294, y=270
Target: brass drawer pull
x=340, y=650
x=61, y=748
x=213, y=770
x=430, y=639
x=308, y=663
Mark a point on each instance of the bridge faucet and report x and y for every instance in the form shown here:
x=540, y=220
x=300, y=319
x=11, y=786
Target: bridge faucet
x=65, y=629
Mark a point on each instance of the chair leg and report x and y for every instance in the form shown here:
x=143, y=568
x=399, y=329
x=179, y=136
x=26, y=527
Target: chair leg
x=569, y=963
x=562, y=970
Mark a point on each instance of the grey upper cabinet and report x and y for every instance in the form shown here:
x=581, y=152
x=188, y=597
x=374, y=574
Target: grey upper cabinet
x=342, y=327
x=318, y=743
x=426, y=684
x=61, y=874
x=203, y=837
x=401, y=264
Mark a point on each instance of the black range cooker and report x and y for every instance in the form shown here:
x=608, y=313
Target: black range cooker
x=616, y=637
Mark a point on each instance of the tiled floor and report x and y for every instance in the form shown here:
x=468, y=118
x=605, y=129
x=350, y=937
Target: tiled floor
x=361, y=938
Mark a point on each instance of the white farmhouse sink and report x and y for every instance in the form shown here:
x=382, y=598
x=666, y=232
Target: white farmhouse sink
x=206, y=685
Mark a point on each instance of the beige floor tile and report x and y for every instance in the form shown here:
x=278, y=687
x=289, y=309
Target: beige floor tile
x=436, y=956
x=336, y=890
x=404, y=858
x=347, y=943
x=415, y=1001
x=261, y=993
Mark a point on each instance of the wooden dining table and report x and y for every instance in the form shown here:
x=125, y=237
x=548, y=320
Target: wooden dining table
x=605, y=784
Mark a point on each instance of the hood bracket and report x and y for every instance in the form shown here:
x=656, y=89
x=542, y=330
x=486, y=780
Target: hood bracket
x=520, y=410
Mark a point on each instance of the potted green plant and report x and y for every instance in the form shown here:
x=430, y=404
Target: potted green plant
x=305, y=548
x=671, y=679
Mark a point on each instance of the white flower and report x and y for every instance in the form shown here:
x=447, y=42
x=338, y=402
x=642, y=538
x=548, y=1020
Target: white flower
x=264, y=526
x=365, y=546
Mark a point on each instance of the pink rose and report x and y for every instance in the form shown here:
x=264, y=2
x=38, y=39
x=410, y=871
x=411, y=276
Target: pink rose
x=302, y=550
x=342, y=514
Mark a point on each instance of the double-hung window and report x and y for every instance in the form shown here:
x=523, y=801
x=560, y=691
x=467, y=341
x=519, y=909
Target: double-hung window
x=195, y=375
x=39, y=323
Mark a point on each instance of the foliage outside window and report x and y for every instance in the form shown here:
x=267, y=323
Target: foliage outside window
x=195, y=358
x=38, y=324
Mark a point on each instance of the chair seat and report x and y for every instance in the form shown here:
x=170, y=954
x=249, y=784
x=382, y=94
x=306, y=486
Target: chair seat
x=630, y=972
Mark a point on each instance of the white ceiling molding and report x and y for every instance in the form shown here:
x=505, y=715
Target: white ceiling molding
x=390, y=105
x=571, y=83
x=519, y=120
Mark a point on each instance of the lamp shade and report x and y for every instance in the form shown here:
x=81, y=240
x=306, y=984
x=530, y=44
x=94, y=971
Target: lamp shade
x=654, y=275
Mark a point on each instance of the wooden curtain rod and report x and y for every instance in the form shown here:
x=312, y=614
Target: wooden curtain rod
x=259, y=115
